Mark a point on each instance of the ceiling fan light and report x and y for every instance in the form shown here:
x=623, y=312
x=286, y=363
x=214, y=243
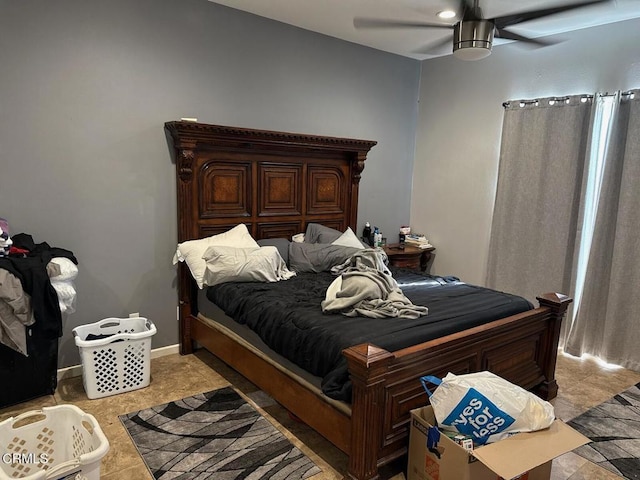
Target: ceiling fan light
x=472, y=39
x=472, y=53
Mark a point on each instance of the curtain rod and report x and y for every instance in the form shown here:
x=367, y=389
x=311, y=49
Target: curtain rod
x=622, y=94
x=553, y=100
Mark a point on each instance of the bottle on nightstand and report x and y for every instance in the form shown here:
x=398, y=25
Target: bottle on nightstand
x=377, y=237
x=366, y=233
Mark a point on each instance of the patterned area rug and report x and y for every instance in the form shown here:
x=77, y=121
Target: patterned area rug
x=614, y=430
x=214, y=435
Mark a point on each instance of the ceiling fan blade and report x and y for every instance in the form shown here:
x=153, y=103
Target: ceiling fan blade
x=359, y=22
x=435, y=48
x=508, y=35
x=508, y=20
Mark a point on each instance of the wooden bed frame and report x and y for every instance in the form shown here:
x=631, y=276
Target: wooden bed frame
x=276, y=183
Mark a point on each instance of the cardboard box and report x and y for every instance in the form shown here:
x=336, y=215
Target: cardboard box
x=525, y=456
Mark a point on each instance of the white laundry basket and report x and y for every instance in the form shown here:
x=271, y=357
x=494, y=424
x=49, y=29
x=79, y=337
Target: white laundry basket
x=120, y=361
x=52, y=443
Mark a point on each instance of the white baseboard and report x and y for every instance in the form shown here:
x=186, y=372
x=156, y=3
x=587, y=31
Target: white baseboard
x=76, y=370
x=164, y=351
x=69, y=372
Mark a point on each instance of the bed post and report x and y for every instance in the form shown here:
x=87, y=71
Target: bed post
x=557, y=304
x=186, y=289
x=367, y=367
x=356, y=174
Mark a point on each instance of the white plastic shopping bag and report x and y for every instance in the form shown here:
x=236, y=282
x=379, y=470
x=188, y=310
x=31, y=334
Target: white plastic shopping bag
x=486, y=407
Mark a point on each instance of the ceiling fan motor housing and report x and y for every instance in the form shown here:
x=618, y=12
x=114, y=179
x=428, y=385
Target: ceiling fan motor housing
x=472, y=39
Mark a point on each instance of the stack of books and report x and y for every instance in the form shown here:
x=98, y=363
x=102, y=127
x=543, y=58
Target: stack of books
x=417, y=240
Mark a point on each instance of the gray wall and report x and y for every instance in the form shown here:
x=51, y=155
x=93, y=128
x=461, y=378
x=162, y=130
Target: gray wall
x=460, y=122
x=86, y=86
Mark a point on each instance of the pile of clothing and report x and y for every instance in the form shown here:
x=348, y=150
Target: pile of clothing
x=31, y=275
x=364, y=287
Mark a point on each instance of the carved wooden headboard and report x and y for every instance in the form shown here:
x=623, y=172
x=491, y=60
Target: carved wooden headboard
x=274, y=182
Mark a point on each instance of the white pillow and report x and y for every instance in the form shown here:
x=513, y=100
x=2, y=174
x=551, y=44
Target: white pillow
x=348, y=239
x=230, y=264
x=192, y=251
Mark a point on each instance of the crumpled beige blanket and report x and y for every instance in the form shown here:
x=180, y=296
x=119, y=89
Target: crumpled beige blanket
x=366, y=288
x=15, y=312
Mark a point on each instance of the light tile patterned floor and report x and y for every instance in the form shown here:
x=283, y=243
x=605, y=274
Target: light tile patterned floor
x=583, y=384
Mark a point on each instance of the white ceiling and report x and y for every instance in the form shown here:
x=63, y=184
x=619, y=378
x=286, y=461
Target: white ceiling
x=335, y=18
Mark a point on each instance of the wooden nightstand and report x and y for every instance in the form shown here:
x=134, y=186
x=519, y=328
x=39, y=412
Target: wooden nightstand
x=409, y=256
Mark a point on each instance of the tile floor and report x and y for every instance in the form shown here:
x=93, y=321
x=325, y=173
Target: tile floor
x=583, y=384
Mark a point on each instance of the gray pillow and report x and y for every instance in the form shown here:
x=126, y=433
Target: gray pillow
x=317, y=257
x=317, y=233
x=282, y=244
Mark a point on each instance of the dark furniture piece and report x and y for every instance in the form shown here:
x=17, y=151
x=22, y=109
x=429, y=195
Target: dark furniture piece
x=25, y=378
x=278, y=182
x=408, y=256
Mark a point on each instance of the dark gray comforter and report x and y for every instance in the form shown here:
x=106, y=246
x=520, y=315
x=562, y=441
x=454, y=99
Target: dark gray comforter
x=288, y=317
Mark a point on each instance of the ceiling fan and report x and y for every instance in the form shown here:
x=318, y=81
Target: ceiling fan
x=473, y=35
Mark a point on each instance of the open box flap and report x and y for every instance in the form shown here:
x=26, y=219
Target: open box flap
x=524, y=451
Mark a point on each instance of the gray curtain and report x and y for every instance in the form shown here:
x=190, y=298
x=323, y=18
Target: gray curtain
x=537, y=206
x=607, y=320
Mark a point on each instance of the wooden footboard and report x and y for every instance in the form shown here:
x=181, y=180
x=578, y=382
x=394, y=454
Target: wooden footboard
x=521, y=348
